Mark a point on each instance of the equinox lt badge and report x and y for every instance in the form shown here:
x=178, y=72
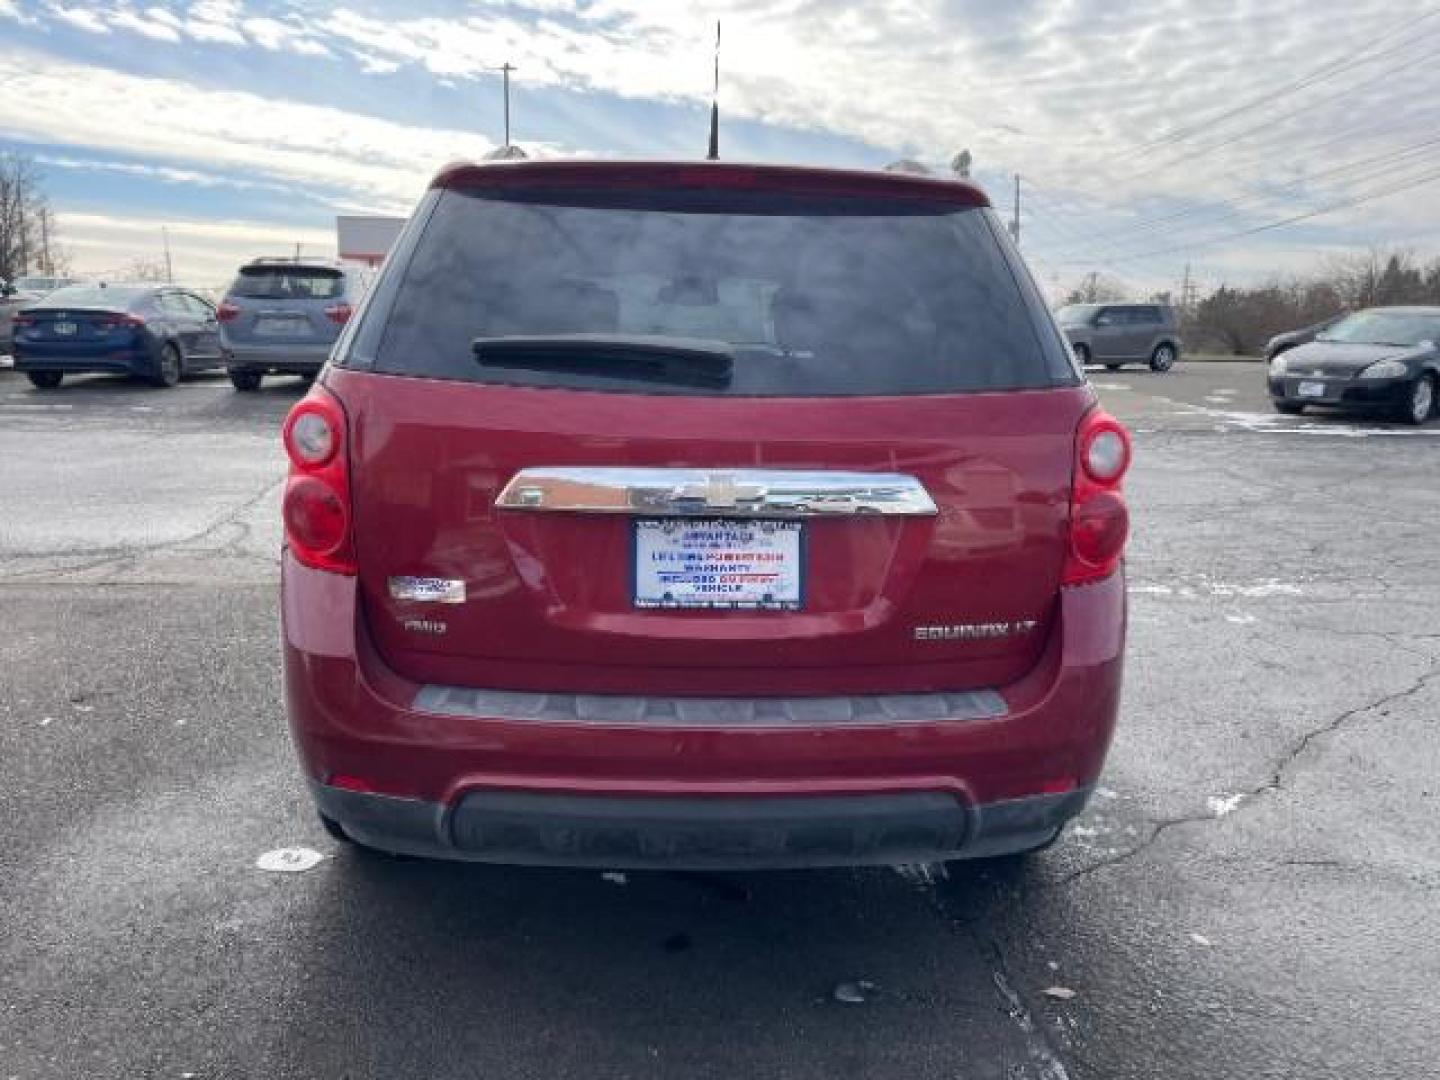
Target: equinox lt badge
x=974, y=631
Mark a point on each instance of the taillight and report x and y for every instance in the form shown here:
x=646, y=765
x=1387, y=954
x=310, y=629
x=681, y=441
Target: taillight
x=316, y=508
x=19, y=321
x=226, y=312
x=339, y=313
x=1099, y=519
x=116, y=322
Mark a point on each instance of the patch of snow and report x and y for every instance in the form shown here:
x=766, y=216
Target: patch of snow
x=923, y=875
x=1200, y=939
x=1241, y=619
x=1221, y=805
x=289, y=860
x=853, y=993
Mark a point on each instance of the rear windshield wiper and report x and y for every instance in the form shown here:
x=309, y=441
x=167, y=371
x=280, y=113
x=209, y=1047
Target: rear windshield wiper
x=683, y=361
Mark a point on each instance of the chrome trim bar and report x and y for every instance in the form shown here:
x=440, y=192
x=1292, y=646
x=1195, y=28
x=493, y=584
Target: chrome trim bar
x=621, y=710
x=755, y=493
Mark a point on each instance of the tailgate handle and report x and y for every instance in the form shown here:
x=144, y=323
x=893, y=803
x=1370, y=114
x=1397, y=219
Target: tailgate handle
x=759, y=493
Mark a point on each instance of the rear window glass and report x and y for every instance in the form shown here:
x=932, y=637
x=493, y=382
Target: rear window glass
x=288, y=283
x=811, y=297
x=108, y=296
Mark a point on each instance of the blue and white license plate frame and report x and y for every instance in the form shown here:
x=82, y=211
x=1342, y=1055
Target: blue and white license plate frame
x=718, y=564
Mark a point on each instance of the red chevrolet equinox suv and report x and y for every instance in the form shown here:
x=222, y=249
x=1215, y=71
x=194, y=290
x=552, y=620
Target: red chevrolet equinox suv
x=702, y=515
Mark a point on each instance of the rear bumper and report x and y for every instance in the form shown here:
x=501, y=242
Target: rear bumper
x=276, y=359
x=69, y=359
x=697, y=833
x=398, y=773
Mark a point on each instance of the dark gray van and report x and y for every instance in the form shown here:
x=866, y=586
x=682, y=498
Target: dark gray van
x=1116, y=334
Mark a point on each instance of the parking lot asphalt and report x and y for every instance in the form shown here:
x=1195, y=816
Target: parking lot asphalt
x=1252, y=892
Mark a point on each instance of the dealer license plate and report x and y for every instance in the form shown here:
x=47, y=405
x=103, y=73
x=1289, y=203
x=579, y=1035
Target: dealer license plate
x=719, y=563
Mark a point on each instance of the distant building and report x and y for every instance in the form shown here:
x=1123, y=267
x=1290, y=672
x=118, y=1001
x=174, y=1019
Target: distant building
x=365, y=238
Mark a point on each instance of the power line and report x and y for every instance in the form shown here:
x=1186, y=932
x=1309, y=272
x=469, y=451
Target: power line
x=1317, y=75
x=1269, y=124
x=1345, y=204
x=1234, y=208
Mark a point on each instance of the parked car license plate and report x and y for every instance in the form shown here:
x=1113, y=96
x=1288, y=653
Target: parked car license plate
x=1312, y=389
x=280, y=327
x=66, y=329
x=719, y=563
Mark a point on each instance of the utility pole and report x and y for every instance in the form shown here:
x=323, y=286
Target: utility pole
x=1015, y=220
x=1187, y=291
x=169, y=269
x=46, y=267
x=505, y=69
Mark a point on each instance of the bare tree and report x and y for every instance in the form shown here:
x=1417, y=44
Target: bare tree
x=26, y=227
x=143, y=268
x=1095, y=289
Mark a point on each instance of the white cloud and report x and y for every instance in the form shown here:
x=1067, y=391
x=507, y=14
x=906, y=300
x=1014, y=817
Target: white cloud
x=376, y=162
x=82, y=19
x=204, y=253
x=155, y=29
x=278, y=36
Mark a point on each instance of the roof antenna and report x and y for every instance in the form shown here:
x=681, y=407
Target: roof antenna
x=714, y=154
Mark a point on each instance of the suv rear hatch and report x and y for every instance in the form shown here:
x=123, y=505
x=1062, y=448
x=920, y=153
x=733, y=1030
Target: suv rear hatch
x=690, y=374
x=272, y=303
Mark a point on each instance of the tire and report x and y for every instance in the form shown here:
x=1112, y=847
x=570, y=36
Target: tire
x=1163, y=358
x=1419, y=403
x=1082, y=354
x=1289, y=408
x=45, y=380
x=169, y=369
x=245, y=381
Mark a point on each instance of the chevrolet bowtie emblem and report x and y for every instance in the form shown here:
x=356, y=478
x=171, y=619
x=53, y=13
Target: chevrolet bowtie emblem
x=719, y=491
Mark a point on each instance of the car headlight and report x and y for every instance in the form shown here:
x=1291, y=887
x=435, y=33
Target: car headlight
x=1385, y=369
x=1277, y=365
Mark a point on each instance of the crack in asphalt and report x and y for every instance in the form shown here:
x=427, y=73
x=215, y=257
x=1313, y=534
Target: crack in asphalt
x=132, y=554
x=1275, y=782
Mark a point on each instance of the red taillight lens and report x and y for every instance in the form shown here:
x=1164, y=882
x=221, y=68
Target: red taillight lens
x=339, y=313
x=316, y=508
x=1099, y=519
x=116, y=322
x=18, y=321
x=226, y=312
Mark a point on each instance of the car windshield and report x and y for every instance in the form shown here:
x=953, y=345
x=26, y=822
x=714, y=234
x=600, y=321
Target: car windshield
x=1075, y=314
x=1385, y=328
x=109, y=296
x=814, y=296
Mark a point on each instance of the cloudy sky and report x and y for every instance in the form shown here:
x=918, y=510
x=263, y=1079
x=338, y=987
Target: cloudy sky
x=1244, y=137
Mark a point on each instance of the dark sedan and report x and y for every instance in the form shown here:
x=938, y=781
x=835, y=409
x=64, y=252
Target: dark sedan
x=1378, y=360
x=153, y=332
x=1294, y=338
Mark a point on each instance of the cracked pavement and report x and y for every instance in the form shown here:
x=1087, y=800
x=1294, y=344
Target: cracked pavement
x=1252, y=892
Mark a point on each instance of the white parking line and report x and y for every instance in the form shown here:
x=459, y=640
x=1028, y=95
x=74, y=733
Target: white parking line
x=1268, y=424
